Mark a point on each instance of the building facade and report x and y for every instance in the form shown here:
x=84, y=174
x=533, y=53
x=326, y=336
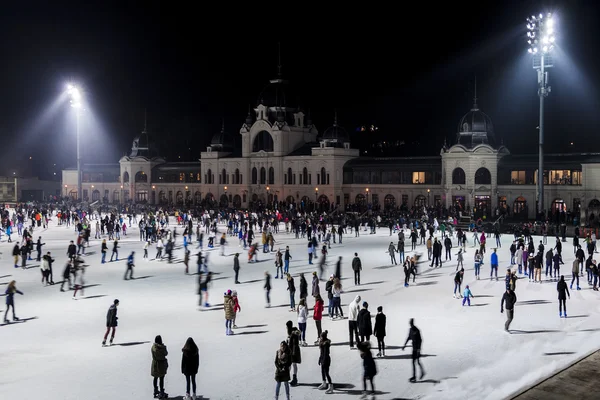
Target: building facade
x=284, y=158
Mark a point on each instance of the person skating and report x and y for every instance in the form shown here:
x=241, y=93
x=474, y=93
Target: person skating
x=11, y=289
x=303, y=286
x=292, y=292
x=190, y=361
x=283, y=361
x=130, y=266
x=467, y=294
x=494, y=264
x=458, y=278
x=267, y=288
x=111, y=322
x=509, y=298
x=66, y=275
x=356, y=267
x=563, y=292
x=302, y=317
x=318, y=315
x=294, y=345
x=353, y=309
x=236, y=267
x=159, y=367
x=414, y=335
x=325, y=362
x=228, y=307
x=365, y=329
x=236, y=306
x=369, y=368
x=379, y=331
x=575, y=274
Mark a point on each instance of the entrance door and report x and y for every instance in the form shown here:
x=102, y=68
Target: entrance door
x=482, y=206
x=459, y=203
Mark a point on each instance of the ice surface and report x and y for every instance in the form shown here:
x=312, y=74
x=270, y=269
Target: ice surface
x=58, y=355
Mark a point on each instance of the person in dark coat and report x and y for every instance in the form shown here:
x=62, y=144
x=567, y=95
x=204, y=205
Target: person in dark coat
x=379, y=331
x=509, y=298
x=325, y=363
x=294, y=345
x=303, y=287
x=369, y=367
x=267, y=288
x=283, y=360
x=159, y=367
x=356, y=267
x=365, y=329
x=563, y=292
x=11, y=289
x=414, y=335
x=236, y=266
x=111, y=321
x=189, y=366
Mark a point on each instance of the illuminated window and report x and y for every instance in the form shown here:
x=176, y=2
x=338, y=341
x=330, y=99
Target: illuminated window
x=181, y=177
x=418, y=177
x=517, y=177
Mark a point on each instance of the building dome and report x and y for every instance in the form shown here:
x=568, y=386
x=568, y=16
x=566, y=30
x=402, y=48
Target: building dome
x=222, y=140
x=335, y=134
x=475, y=128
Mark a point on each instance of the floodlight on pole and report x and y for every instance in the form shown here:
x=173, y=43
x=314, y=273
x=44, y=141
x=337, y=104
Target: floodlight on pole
x=75, y=99
x=541, y=36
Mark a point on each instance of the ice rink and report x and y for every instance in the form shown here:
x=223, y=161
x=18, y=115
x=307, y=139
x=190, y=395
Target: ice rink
x=56, y=353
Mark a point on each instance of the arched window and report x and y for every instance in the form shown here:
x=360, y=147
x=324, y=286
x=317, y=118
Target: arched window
x=483, y=177
x=389, y=201
x=323, y=176
x=271, y=176
x=305, y=176
x=595, y=203
x=237, y=201
x=95, y=195
x=254, y=176
x=458, y=176
x=141, y=177
x=360, y=199
x=179, y=198
x=197, y=197
x=126, y=177
x=262, y=141
x=420, y=201
x=224, y=177
x=209, y=177
x=237, y=176
x=263, y=175
x=290, y=176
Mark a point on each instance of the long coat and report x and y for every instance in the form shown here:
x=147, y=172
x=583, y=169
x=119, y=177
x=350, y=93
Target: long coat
x=228, y=304
x=379, y=330
x=364, y=322
x=294, y=345
x=189, y=362
x=283, y=360
x=159, y=360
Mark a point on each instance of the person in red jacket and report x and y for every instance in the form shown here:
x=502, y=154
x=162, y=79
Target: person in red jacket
x=318, y=315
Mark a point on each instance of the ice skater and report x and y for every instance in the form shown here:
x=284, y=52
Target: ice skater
x=414, y=335
x=509, y=298
x=467, y=294
x=111, y=322
x=458, y=278
x=369, y=368
x=294, y=345
x=228, y=307
x=379, y=331
x=130, y=266
x=189, y=367
x=159, y=367
x=11, y=289
x=283, y=361
x=325, y=363
x=563, y=292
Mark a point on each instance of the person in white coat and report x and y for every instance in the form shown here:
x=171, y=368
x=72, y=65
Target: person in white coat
x=353, y=309
x=302, y=316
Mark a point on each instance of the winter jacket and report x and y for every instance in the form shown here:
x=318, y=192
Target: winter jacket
x=236, y=264
x=356, y=264
x=494, y=259
x=364, y=323
x=294, y=345
x=563, y=290
x=329, y=288
x=509, y=299
x=190, y=361
x=10, y=294
x=291, y=286
x=353, y=309
x=467, y=293
x=318, y=310
x=111, y=316
x=379, y=330
x=369, y=367
x=315, y=286
x=303, y=288
x=302, y=314
x=228, y=306
x=575, y=269
x=283, y=361
x=159, y=360
x=324, y=352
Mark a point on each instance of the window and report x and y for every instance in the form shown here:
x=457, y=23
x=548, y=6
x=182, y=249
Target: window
x=224, y=179
x=263, y=175
x=418, y=177
x=181, y=177
x=208, y=177
x=254, y=176
x=560, y=177
x=271, y=176
x=304, y=176
x=389, y=201
x=483, y=177
x=141, y=177
x=323, y=176
x=262, y=141
x=517, y=177
x=290, y=175
x=237, y=177
x=458, y=176
x=142, y=196
x=404, y=199
x=126, y=177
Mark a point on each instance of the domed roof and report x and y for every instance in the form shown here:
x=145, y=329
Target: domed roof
x=222, y=139
x=475, y=128
x=335, y=134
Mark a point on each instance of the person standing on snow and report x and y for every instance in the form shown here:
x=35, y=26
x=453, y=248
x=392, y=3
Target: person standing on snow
x=379, y=331
x=325, y=362
x=111, y=322
x=228, y=307
x=293, y=341
x=509, y=298
x=236, y=267
x=563, y=292
x=159, y=367
x=494, y=264
x=353, y=309
x=189, y=367
x=356, y=267
x=283, y=360
x=365, y=329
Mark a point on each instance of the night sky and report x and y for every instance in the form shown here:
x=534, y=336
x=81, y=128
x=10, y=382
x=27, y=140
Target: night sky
x=410, y=72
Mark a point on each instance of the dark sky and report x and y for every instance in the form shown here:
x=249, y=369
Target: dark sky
x=409, y=71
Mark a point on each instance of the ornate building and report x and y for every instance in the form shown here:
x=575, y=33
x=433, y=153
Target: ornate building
x=284, y=158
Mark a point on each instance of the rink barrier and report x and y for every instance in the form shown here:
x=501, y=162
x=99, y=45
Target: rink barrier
x=539, y=381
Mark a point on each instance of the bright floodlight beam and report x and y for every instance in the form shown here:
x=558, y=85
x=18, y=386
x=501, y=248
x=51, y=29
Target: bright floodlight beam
x=540, y=38
x=75, y=94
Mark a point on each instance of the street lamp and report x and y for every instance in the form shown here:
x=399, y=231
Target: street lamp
x=540, y=37
x=75, y=95
x=428, y=191
x=367, y=191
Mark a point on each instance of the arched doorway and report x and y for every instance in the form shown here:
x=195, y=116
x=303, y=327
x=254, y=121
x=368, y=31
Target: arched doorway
x=237, y=201
x=595, y=203
x=389, y=201
x=179, y=198
x=73, y=194
x=197, y=197
x=483, y=176
x=458, y=176
x=558, y=206
x=520, y=208
x=162, y=198
x=126, y=177
x=224, y=201
x=420, y=201
x=141, y=177
x=305, y=202
x=96, y=195
x=323, y=203
x=360, y=200
x=209, y=197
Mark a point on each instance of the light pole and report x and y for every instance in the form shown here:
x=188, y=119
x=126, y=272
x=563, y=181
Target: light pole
x=428, y=204
x=540, y=37
x=367, y=197
x=76, y=104
x=316, y=198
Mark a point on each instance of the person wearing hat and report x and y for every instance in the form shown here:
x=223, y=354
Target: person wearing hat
x=111, y=322
x=236, y=266
x=228, y=307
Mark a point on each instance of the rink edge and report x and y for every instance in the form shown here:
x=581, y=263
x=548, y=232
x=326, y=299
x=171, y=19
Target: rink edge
x=542, y=380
